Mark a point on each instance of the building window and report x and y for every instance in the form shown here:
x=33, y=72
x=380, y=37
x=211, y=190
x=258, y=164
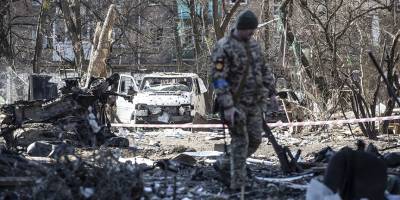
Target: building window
x=241, y=1
x=157, y=34
x=154, y=2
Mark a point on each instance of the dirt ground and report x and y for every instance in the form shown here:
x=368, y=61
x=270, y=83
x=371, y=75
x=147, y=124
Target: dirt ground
x=167, y=143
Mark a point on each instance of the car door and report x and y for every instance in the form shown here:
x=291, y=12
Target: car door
x=125, y=107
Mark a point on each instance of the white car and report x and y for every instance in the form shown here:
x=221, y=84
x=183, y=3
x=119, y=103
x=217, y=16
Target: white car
x=162, y=98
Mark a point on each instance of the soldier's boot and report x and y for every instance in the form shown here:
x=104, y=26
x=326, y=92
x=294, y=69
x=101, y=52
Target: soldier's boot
x=238, y=179
x=249, y=172
x=223, y=169
x=236, y=187
x=245, y=180
x=237, y=184
x=250, y=178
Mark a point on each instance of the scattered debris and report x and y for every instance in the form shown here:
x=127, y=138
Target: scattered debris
x=71, y=178
x=39, y=149
x=204, y=154
x=116, y=142
x=258, y=161
x=50, y=149
x=324, y=155
x=137, y=160
x=215, y=137
x=285, y=179
x=185, y=159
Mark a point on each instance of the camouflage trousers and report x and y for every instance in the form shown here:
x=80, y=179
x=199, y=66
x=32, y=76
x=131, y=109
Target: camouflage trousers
x=245, y=139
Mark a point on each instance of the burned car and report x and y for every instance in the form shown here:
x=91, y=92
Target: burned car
x=291, y=108
x=127, y=85
x=169, y=98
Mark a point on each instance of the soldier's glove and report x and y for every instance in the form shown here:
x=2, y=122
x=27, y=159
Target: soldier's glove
x=230, y=114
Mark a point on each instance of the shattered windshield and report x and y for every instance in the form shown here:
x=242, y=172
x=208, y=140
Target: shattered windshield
x=160, y=84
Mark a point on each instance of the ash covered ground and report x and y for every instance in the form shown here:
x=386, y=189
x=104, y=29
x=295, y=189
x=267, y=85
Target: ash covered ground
x=165, y=164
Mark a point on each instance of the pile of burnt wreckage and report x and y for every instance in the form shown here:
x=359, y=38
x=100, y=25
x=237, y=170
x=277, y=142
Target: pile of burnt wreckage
x=78, y=110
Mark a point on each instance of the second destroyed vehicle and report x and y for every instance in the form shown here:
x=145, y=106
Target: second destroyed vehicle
x=168, y=98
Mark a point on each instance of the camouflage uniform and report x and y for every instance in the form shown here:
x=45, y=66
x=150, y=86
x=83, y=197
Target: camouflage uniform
x=230, y=58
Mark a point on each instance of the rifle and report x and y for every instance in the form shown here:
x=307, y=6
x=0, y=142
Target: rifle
x=282, y=152
x=219, y=109
x=222, y=116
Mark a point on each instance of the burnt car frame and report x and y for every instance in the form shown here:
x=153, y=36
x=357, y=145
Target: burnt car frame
x=164, y=98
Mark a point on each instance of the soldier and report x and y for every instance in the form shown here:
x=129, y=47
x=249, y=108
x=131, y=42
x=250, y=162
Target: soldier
x=243, y=84
x=111, y=107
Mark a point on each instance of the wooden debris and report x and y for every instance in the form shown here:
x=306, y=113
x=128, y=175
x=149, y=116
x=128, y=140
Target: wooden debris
x=101, y=47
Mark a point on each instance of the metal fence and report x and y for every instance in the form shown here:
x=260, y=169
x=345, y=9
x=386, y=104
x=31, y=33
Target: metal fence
x=13, y=86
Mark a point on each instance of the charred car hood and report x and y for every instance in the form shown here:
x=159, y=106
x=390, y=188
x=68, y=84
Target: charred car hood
x=163, y=99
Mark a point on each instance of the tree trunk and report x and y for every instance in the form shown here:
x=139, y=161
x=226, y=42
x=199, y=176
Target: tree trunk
x=72, y=18
x=195, y=31
x=206, y=28
x=178, y=45
x=216, y=20
x=389, y=109
x=39, y=36
x=220, y=26
x=392, y=61
x=266, y=17
x=5, y=32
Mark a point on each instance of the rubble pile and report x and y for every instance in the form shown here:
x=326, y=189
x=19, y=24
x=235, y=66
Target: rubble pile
x=71, y=177
x=18, y=175
x=174, y=180
x=79, y=114
x=143, y=172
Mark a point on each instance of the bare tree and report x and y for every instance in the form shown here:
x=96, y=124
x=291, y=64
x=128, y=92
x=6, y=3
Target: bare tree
x=266, y=12
x=391, y=77
x=44, y=11
x=195, y=29
x=178, y=44
x=221, y=25
x=71, y=10
x=5, y=35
